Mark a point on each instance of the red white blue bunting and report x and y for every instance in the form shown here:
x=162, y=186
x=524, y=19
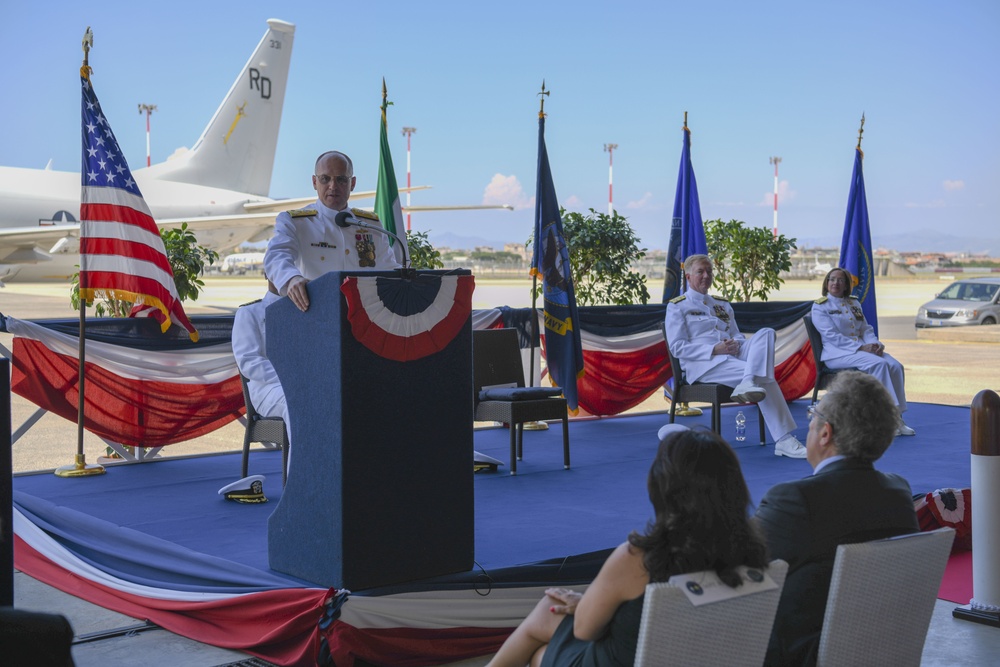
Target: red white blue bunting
x=401, y=319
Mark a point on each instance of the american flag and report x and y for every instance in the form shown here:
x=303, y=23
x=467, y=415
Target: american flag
x=121, y=252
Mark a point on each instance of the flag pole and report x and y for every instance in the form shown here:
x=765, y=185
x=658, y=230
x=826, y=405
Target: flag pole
x=535, y=425
x=861, y=131
x=534, y=276
x=80, y=468
x=683, y=409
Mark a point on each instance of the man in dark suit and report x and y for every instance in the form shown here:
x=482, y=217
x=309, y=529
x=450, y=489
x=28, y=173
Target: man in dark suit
x=845, y=501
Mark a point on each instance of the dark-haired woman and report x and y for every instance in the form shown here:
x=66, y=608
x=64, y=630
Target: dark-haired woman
x=850, y=342
x=701, y=505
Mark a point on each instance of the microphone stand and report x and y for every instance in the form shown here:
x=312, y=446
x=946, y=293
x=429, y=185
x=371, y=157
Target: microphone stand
x=347, y=219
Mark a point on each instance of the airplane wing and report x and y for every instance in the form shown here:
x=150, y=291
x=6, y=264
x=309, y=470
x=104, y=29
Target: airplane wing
x=21, y=247
x=278, y=205
x=419, y=209
x=30, y=245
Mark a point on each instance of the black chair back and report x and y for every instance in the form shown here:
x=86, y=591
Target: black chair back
x=823, y=374
x=263, y=429
x=496, y=359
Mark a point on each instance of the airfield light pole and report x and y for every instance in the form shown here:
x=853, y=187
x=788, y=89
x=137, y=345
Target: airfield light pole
x=609, y=149
x=148, y=109
x=408, y=131
x=775, y=161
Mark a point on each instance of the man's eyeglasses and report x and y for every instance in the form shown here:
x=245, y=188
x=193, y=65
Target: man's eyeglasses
x=814, y=412
x=341, y=180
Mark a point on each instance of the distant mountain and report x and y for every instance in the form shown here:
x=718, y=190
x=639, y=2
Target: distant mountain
x=457, y=241
x=929, y=240
x=920, y=240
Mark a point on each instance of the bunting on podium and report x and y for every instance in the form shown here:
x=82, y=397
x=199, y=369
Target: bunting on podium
x=406, y=319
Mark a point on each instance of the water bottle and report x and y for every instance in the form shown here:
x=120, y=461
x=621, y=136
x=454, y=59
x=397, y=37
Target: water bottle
x=741, y=426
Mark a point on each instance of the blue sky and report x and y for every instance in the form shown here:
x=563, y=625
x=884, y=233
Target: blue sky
x=788, y=79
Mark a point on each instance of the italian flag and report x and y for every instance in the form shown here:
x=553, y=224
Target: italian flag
x=387, y=206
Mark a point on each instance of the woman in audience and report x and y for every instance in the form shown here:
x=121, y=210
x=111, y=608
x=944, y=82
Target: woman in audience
x=701, y=505
x=850, y=342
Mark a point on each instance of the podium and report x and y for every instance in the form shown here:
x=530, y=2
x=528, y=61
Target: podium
x=380, y=480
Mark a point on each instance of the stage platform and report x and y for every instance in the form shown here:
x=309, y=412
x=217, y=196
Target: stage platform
x=156, y=541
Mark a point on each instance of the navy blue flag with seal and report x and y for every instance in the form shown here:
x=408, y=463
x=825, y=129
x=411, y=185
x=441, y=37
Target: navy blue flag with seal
x=550, y=261
x=687, y=231
x=856, y=246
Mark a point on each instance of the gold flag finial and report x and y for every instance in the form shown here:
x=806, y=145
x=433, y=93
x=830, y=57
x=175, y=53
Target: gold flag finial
x=861, y=131
x=385, y=103
x=88, y=44
x=543, y=95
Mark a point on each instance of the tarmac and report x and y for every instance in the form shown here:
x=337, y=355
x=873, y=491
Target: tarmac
x=945, y=366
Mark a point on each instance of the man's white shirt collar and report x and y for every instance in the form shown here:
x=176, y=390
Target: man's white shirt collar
x=698, y=297
x=328, y=212
x=825, y=462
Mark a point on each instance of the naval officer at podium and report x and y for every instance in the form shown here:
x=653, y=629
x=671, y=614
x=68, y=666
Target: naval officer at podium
x=308, y=242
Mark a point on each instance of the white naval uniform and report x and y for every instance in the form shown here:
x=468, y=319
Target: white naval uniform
x=841, y=324
x=311, y=245
x=266, y=393
x=696, y=322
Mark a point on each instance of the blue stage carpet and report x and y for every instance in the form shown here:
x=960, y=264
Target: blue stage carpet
x=545, y=524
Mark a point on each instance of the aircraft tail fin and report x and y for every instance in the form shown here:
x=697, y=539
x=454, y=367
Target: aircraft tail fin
x=236, y=150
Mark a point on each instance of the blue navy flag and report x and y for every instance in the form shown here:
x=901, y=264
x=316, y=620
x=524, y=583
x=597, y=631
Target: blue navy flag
x=687, y=224
x=856, y=246
x=550, y=260
x=674, y=278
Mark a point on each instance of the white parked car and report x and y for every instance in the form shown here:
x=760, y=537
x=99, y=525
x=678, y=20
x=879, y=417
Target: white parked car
x=964, y=302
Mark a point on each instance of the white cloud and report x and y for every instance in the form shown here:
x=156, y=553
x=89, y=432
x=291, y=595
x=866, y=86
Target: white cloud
x=951, y=186
x=641, y=203
x=506, y=190
x=573, y=200
x=785, y=193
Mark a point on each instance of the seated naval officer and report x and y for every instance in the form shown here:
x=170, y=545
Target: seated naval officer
x=250, y=351
x=850, y=342
x=308, y=242
x=702, y=334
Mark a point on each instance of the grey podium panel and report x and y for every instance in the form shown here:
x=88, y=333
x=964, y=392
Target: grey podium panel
x=380, y=483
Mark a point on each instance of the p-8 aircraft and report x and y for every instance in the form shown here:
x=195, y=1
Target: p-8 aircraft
x=219, y=187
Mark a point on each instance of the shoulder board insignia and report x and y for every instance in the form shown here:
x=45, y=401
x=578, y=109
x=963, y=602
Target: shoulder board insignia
x=719, y=298
x=851, y=296
x=250, y=303
x=822, y=299
x=368, y=215
x=302, y=213
x=678, y=299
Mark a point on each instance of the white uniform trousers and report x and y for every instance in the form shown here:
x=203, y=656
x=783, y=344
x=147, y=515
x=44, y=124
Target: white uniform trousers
x=885, y=369
x=755, y=363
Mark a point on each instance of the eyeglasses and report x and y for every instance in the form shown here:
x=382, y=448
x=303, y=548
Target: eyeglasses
x=836, y=280
x=814, y=412
x=341, y=180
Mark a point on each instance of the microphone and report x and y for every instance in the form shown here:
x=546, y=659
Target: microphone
x=346, y=219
